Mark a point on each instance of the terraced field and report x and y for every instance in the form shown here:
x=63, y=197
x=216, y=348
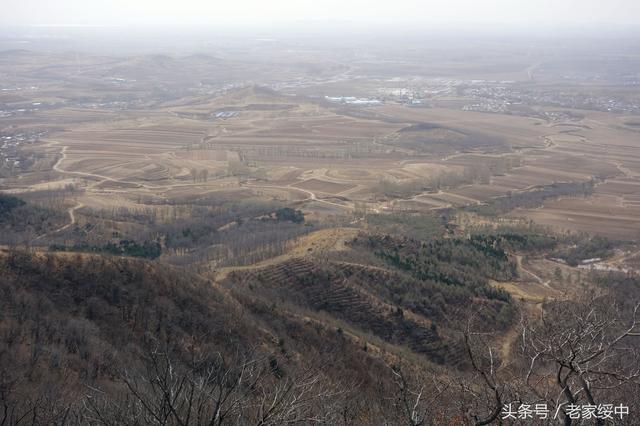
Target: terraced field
x=328, y=158
x=301, y=282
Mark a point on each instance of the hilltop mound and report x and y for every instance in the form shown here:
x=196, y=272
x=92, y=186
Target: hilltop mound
x=253, y=95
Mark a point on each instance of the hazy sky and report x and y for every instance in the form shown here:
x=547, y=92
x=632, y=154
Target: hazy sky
x=179, y=12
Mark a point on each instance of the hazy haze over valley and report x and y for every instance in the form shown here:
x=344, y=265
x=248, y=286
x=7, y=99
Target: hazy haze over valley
x=319, y=212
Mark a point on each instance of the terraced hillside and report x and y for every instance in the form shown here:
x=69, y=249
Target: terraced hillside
x=411, y=309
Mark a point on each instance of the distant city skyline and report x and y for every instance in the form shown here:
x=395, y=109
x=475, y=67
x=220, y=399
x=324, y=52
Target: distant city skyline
x=547, y=13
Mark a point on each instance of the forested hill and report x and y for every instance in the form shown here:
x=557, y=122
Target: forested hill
x=88, y=335
x=342, y=337
x=91, y=339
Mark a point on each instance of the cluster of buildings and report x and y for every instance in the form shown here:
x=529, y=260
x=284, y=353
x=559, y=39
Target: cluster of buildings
x=225, y=114
x=495, y=98
x=19, y=110
x=10, y=144
x=352, y=100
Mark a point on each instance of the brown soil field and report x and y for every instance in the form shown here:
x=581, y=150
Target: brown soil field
x=601, y=214
x=481, y=192
x=419, y=206
x=323, y=186
x=445, y=199
x=290, y=148
x=518, y=131
x=426, y=170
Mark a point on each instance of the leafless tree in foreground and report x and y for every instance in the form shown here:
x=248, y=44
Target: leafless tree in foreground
x=484, y=385
x=585, y=352
x=577, y=353
x=248, y=390
x=415, y=403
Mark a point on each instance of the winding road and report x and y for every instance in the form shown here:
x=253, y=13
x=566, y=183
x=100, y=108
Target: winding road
x=72, y=221
x=311, y=195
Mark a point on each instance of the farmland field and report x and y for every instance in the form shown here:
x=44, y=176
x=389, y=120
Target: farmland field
x=306, y=149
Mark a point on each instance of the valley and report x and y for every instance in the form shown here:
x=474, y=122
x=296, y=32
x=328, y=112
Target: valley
x=343, y=232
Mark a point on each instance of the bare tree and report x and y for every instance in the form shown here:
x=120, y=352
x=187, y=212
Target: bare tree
x=585, y=349
x=485, y=384
x=214, y=391
x=415, y=402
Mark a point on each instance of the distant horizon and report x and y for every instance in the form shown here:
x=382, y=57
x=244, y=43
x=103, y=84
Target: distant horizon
x=475, y=13
x=177, y=40
x=451, y=29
